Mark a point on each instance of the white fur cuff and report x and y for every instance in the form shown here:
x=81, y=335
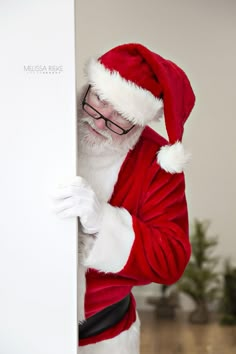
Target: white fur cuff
x=112, y=247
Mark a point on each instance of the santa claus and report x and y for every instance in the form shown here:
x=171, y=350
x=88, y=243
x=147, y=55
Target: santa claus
x=129, y=195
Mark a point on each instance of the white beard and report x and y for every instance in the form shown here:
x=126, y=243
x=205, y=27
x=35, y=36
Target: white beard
x=99, y=162
x=103, y=143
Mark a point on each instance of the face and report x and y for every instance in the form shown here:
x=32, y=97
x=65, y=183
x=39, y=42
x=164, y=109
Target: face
x=101, y=127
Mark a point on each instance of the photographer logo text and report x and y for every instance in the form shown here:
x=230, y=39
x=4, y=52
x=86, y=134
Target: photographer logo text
x=43, y=69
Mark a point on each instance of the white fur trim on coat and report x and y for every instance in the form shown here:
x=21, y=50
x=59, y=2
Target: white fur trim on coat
x=136, y=104
x=173, y=158
x=114, y=241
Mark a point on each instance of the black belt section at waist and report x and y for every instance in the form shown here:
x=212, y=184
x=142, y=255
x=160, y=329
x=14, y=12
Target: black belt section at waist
x=104, y=319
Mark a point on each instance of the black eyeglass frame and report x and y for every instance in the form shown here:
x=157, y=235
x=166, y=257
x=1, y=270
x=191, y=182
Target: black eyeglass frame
x=101, y=116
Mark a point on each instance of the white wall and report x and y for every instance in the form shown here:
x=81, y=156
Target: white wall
x=38, y=252
x=200, y=37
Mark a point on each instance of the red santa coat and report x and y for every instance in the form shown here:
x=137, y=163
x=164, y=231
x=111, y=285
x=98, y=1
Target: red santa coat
x=156, y=245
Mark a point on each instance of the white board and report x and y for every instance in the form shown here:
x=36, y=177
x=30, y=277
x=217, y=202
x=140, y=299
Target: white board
x=38, y=251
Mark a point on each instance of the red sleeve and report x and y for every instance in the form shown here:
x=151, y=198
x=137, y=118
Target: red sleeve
x=161, y=249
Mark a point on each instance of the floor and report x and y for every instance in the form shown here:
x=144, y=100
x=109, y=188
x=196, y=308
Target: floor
x=180, y=337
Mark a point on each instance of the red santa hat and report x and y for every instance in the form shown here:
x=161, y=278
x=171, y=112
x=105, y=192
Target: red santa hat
x=140, y=84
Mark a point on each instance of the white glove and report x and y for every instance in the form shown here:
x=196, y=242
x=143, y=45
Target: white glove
x=77, y=199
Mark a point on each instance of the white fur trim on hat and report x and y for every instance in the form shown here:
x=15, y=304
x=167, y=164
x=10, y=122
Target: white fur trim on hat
x=136, y=104
x=114, y=241
x=173, y=158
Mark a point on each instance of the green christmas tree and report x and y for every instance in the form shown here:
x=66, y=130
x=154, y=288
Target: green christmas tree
x=228, y=302
x=201, y=280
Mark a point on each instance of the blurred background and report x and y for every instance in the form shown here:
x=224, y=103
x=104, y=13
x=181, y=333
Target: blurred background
x=199, y=36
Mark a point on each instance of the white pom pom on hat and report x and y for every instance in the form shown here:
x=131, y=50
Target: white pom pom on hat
x=142, y=85
x=173, y=158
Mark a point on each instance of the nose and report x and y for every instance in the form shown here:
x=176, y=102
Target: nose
x=107, y=112
x=100, y=123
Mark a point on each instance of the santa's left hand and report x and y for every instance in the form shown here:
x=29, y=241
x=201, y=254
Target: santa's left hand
x=77, y=199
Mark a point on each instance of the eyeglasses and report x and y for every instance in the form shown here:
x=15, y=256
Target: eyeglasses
x=93, y=98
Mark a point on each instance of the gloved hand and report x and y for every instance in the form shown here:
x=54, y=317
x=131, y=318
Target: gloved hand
x=77, y=199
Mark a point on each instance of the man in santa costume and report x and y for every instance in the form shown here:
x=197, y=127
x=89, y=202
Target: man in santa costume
x=129, y=195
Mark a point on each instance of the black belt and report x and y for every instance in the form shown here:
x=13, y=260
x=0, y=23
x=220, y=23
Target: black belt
x=104, y=319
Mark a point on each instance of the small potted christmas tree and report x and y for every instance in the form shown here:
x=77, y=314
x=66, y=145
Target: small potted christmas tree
x=228, y=307
x=166, y=304
x=200, y=280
